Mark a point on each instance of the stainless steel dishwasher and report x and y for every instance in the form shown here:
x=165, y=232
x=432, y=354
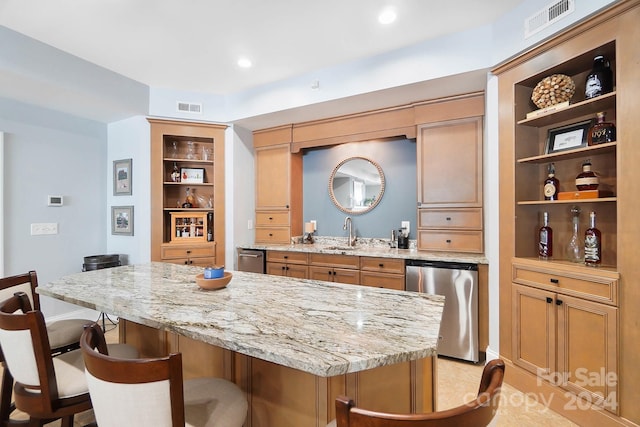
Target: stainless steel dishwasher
x=458, y=283
x=251, y=260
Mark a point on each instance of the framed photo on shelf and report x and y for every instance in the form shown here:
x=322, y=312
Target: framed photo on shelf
x=122, y=177
x=192, y=175
x=122, y=220
x=567, y=137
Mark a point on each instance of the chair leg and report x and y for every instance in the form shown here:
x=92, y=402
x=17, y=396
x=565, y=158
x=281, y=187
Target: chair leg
x=5, y=396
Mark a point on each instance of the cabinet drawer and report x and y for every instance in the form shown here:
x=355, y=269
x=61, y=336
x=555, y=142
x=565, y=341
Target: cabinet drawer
x=289, y=257
x=268, y=218
x=272, y=235
x=444, y=240
x=188, y=251
x=382, y=280
x=385, y=265
x=593, y=286
x=470, y=219
x=332, y=260
x=198, y=262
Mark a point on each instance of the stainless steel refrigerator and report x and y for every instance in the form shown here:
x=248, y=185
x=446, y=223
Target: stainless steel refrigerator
x=458, y=283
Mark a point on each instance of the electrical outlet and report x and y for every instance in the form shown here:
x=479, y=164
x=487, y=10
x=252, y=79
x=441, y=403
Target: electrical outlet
x=41, y=228
x=405, y=226
x=250, y=224
x=315, y=224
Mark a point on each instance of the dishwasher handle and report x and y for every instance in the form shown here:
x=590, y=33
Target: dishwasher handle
x=451, y=265
x=249, y=255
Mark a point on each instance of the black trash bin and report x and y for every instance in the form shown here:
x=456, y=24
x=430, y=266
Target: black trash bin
x=97, y=262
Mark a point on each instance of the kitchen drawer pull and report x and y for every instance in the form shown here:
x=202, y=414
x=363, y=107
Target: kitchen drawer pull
x=549, y=300
x=554, y=281
x=381, y=265
x=448, y=240
x=448, y=218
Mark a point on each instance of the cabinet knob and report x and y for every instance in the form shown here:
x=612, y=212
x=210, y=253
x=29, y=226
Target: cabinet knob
x=286, y=257
x=558, y=302
x=555, y=281
x=270, y=234
x=448, y=240
x=286, y=268
x=549, y=300
x=381, y=265
x=188, y=251
x=270, y=218
x=186, y=262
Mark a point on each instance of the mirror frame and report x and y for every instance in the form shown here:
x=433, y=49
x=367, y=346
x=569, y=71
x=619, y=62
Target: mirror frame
x=368, y=208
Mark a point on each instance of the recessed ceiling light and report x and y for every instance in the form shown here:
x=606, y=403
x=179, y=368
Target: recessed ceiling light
x=244, y=63
x=387, y=16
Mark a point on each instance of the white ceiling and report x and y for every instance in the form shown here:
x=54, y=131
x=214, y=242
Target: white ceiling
x=194, y=44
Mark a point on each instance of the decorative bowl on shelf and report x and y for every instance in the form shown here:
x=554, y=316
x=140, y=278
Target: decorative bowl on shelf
x=213, y=284
x=553, y=90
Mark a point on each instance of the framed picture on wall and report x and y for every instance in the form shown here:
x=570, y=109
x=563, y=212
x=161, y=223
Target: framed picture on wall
x=122, y=177
x=122, y=220
x=567, y=137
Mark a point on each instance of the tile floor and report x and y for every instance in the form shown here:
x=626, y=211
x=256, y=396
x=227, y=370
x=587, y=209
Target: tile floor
x=457, y=383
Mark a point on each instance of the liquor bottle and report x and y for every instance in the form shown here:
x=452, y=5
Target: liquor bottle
x=209, y=226
x=600, y=79
x=175, y=174
x=601, y=131
x=574, y=247
x=592, y=243
x=587, y=179
x=188, y=200
x=545, y=242
x=551, y=184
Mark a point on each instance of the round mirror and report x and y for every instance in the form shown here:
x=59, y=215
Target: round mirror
x=356, y=185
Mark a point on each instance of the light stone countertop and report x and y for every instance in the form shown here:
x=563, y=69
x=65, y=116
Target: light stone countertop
x=322, y=328
x=373, y=247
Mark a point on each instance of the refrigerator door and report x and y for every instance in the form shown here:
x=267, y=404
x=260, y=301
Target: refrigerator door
x=459, y=327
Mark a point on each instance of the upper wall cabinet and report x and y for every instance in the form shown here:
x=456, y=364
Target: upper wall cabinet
x=187, y=192
x=449, y=155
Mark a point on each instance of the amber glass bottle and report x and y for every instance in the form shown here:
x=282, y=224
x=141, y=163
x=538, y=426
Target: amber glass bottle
x=601, y=131
x=592, y=243
x=587, y=179
x=545, y=241
x=551, y=185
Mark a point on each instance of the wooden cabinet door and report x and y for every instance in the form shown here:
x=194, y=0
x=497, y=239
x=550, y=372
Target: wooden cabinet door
x=587, y=349
x=450, y=163
x=343, y=275
x=272, y=177
x=534, y=329
x=321, y=273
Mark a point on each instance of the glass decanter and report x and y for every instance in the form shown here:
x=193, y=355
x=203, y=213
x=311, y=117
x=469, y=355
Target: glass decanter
x=574, y=247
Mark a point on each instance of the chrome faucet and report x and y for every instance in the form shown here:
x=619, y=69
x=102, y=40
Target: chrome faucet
x=352, y=236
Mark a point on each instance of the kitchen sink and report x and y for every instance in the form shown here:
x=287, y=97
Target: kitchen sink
x=341, y=248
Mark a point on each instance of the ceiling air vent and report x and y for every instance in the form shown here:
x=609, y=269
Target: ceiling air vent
x=189, y=107
x=547, y=16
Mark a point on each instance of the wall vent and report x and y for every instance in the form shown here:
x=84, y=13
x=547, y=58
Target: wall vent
x=547, y=16
x=189, y=107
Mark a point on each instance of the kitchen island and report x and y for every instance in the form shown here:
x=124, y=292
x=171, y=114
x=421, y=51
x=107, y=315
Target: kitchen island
x=291, y=344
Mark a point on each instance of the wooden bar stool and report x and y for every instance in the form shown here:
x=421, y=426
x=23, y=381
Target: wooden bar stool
x=64, y=335
x=151, y=392
x=46, y=387
x=476, y=413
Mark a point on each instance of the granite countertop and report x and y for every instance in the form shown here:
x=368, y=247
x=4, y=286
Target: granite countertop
x=373, y=247
x=322, y=328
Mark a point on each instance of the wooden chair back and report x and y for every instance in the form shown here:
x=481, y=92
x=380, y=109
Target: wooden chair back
x=140, y=392
x=27, y=283
x=476, y=413
x=27, y=354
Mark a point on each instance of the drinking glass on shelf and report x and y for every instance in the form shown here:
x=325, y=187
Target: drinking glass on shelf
x=191, y=151
x=207, y=153
x=173, y=151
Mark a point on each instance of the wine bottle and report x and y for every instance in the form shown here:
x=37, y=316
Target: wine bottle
x=601, y=131
x=592, y=243
x=545, y=241
x=175, y=174
x=587, y=179
x=551, y=184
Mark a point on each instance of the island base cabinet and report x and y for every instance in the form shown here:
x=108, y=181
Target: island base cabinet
x=286, y=397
